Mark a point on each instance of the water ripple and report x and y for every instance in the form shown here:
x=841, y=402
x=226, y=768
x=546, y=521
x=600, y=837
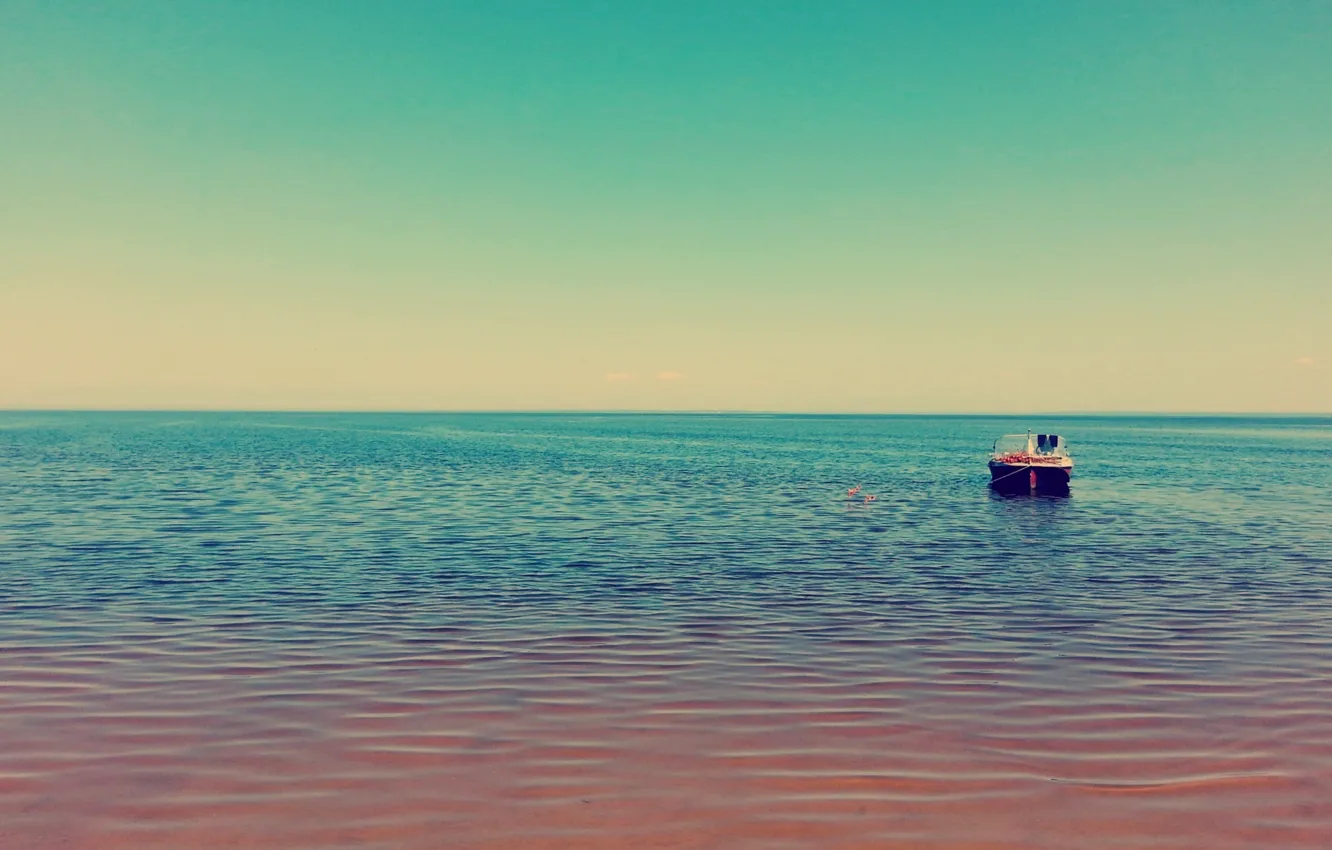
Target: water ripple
x=312, y=631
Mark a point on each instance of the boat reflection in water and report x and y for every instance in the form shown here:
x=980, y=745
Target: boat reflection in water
x=1022, y=463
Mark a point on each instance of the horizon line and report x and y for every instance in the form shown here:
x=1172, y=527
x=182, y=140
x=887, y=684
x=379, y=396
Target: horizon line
x=668, y=412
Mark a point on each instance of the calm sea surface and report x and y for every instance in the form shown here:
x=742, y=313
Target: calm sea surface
x=539, y=631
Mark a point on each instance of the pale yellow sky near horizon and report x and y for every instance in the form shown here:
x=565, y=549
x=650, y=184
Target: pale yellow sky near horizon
x=124, y=344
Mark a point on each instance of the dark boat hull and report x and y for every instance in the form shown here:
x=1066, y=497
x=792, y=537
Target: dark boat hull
x=1020, y=478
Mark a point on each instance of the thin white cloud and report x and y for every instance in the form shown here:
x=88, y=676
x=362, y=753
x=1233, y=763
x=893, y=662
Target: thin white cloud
x=669, y=376
x=1305, y=361
x=619, y=376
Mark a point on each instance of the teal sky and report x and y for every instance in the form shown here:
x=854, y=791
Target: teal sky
x=805, y=206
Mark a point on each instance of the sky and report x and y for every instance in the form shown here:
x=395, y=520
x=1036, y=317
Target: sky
x=818, y=206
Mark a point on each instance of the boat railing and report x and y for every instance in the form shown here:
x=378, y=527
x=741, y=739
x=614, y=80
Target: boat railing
x=1030, y=445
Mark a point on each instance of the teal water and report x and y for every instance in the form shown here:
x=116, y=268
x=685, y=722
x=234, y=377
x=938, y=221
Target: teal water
x=320, y=630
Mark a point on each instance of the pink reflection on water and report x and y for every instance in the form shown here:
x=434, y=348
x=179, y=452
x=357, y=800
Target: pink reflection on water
x=586, y=745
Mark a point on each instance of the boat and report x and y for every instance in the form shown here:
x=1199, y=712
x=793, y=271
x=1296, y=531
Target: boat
x=1021, y=463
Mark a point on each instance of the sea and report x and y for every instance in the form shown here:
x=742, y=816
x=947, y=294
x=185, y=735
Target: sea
x=299, y=631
